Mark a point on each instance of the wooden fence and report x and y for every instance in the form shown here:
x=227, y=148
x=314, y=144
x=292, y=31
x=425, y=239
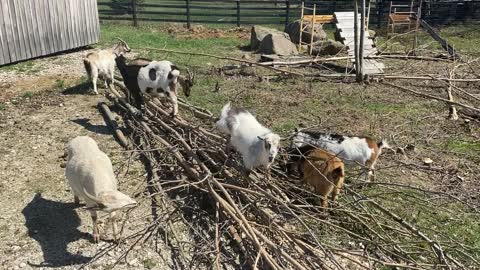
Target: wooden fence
x=247, y=12
x=33, y=28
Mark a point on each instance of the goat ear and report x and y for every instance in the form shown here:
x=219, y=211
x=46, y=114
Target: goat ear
x=260, y=138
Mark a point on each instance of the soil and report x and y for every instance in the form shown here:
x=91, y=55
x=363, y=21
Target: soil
x=39, y=225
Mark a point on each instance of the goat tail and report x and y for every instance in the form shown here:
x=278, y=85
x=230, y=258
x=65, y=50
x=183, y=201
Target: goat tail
x=88, y=67
x=222, y=124
x=383, y=144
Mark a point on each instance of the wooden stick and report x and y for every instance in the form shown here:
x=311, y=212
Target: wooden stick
x=452, y=111
x=398, y=77
x=110, y=119
x=433, y=97
x=224, y=58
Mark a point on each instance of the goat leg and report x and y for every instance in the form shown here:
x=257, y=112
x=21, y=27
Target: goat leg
x=96, y=231
x=172, y=96
x=113, y=219
x=76, y=200
x=139, y=103
x=94, y=82
x=371, y=171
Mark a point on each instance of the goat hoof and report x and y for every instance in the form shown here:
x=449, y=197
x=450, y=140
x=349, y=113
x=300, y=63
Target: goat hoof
x=96, y=238
x=137, y=113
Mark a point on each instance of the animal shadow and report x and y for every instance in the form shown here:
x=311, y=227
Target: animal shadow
x=99, y=129
x=54, y=225
x=80, y=89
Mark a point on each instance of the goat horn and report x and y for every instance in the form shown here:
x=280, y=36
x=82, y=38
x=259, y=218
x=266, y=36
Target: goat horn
x=121, y=40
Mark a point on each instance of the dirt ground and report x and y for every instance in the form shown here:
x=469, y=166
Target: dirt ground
x=39, y=225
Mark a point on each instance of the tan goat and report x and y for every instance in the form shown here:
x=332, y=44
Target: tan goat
x=325, y=172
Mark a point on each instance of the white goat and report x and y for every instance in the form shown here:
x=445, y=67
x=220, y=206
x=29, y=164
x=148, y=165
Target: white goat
x=362, y=150
x=90, y=175
x=257, y=144
x=102, y=63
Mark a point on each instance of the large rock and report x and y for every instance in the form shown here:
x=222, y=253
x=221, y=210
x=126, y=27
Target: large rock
x=258, y=33
x=293, y=29
x=277, y=44
x=327, y=47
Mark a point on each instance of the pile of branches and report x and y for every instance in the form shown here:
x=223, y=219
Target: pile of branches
x=238, y=221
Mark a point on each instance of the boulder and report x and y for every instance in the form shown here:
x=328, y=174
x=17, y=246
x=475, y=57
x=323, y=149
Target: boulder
x=277, y=44
x=258, y=33
x=327, y=47
x=293, y=30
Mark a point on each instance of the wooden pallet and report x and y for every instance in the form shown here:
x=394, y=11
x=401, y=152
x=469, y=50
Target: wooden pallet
x=345, y=29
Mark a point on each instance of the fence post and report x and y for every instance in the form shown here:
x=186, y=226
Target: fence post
x=287, y=15
x=380, y=13
x=134, y=13
x=238, y=13
x=188, y=14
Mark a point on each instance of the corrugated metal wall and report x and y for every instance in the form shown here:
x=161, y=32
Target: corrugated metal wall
x=32, y=28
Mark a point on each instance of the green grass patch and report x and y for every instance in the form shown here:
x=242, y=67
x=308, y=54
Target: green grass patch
x=28, y=94
x=2, y=106
x=27, y=67
x=59, y=84
x=464, y=146
x=149, y=263
x=155, y=37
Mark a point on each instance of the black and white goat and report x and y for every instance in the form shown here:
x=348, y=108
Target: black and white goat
x=102, y=63
x=361, y=150
x=153, y=79
x=257, y=144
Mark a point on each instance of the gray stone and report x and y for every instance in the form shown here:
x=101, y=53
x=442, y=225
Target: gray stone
x=258, y=33
x=277, y=44
x=293, y=30
x=327, y=47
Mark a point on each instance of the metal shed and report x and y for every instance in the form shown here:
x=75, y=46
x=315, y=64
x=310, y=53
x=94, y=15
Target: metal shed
x=33, y=28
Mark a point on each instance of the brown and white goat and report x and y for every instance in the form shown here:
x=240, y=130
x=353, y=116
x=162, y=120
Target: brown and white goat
x=102, y=63
x=324, y=172
x=360, y=150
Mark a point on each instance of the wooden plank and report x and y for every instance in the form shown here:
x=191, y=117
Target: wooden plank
x=71, y=25
x=89, y=20
x=35, y=33
x=74, y=41
x=25, y=30
x=94, y=8
x=4, y=46
x=30, y=28
x=49, y=22
x=46, y=26
x=55, y=9
x=17, y=27
x=78, y=27
x=37, y=21
x=63, y=18
x=440, y=40
x=85, y=24
x=14, y=32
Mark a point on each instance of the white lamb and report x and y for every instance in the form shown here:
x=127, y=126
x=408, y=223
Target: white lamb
x=257, y=144
x=90, y=175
